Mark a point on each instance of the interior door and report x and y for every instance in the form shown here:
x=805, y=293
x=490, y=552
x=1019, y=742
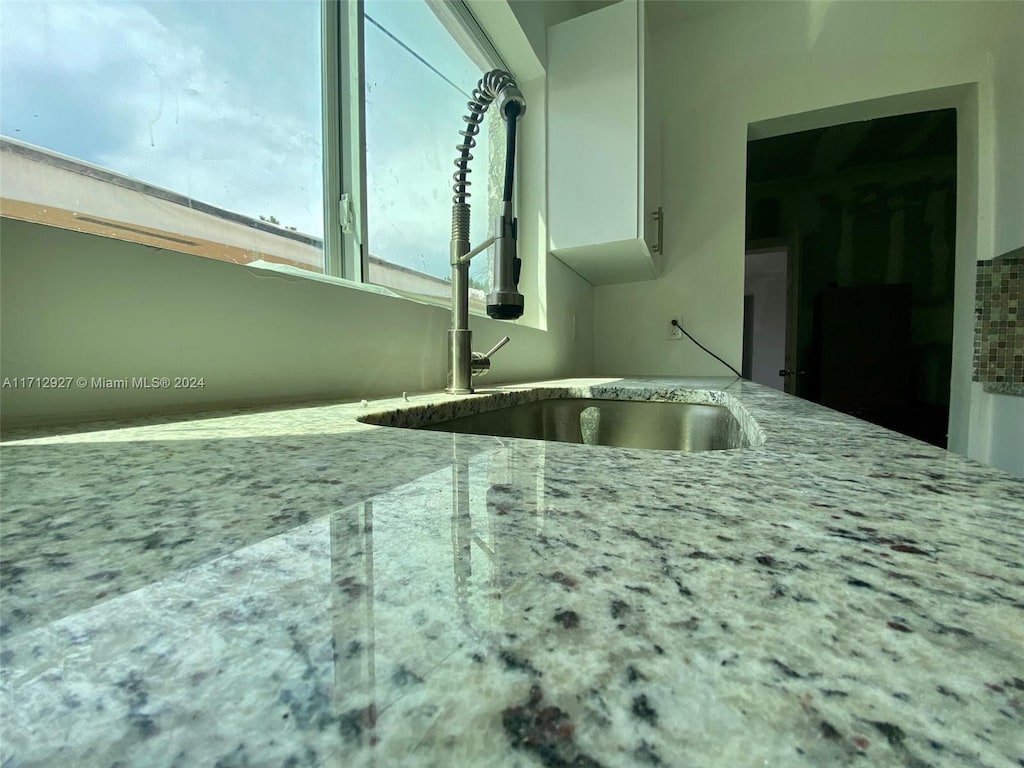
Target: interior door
x=766, y=316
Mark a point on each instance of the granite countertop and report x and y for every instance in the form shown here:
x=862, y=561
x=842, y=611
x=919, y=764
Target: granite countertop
x=297, y=588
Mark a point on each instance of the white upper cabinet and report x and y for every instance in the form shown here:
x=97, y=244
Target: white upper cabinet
x=604, y=175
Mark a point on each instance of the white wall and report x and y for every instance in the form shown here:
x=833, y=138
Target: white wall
x=1009, y=113
x=82, y=305
x=799, y=58
x=997, y=430
x=997, y=421
x=535, y=16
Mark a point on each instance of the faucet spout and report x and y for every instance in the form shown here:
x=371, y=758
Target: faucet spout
x=504, y=302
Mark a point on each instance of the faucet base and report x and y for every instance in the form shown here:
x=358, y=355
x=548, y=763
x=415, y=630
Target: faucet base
x=460, y=362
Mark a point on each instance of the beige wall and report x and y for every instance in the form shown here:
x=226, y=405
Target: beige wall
x=81, y=305
x=754, y=63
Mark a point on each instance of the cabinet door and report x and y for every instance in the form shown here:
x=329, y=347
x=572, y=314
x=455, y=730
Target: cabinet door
x=593, y=107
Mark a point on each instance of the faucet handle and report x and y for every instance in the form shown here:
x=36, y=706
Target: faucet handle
x=481, y=364
x=505, y=340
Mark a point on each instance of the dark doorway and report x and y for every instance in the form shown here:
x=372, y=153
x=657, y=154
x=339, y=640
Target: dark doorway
x=867, y=213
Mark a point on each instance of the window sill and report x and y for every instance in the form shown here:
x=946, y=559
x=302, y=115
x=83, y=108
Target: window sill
x=293, y=274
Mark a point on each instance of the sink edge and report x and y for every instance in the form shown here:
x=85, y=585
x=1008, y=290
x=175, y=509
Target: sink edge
x=416, y=416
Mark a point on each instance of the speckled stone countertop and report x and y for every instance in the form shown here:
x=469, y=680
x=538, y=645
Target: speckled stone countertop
x=297, y=588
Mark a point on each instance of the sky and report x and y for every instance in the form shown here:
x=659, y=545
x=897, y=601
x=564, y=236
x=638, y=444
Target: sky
x=220, y=100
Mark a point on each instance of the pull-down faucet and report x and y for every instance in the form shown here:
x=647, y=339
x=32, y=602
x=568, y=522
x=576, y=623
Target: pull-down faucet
x=504, y=302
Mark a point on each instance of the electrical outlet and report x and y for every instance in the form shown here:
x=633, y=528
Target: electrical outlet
x=671, y=331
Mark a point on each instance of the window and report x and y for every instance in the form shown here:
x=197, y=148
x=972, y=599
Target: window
x=194, y=126
x=418, y=81
x=215, y=128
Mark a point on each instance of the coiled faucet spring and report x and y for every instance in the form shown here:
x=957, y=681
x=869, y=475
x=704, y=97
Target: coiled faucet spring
x=484, y=93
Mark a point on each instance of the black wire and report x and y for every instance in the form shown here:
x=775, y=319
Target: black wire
x=683, y=330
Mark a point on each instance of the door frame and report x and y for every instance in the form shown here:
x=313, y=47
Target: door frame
x=975, y=172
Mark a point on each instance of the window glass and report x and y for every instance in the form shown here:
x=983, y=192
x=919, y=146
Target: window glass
x=418, y=83
x=195, y=126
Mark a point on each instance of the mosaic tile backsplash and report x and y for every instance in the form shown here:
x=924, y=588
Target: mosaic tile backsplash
x=999, y=325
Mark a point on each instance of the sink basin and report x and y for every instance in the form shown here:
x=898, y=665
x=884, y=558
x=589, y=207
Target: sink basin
x=667, y=426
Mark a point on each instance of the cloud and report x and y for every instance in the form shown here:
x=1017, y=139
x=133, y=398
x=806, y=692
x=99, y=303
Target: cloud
x=184, y=116
x=73, y=39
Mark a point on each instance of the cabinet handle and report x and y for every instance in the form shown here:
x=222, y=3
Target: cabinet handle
x=659, y=216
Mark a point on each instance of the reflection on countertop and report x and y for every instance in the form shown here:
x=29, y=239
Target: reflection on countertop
x=297, y=588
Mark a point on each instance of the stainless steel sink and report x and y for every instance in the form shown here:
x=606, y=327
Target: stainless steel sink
x=666, y=426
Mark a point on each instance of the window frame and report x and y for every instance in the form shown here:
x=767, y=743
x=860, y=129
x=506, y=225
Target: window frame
x=345, y=255
x=344, y=174
x=346, y=236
